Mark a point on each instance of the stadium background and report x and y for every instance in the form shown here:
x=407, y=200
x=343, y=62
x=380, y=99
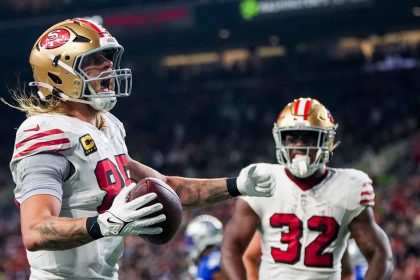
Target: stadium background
x=210, y=77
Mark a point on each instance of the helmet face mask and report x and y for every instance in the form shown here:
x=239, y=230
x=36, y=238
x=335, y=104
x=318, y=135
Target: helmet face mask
x=304, y=135
x=202, y=232
x=103, y=86
x=61, y=55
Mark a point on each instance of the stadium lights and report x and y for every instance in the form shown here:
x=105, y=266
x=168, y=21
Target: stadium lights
x=224, y=33
x=227, y=57
x=416, y=11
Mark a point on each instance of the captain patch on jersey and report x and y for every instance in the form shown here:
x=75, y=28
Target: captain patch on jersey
x=88, y=144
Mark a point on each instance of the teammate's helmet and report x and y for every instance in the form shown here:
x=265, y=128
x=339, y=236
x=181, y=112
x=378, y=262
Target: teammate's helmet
x=60, y=53
x=305, y=116
x=201, y=232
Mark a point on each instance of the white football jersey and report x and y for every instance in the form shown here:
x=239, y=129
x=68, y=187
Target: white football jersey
x=305, y=233
x=99, y=159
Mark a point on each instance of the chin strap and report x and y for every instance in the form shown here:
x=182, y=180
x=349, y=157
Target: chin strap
x=100, y=104
x=335, y=145
x=60, y=94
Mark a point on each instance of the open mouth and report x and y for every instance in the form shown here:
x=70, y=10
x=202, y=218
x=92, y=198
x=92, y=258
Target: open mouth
x=105, y=85
x=298, y=152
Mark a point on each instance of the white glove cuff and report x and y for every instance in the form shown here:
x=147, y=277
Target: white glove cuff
x=109, y=224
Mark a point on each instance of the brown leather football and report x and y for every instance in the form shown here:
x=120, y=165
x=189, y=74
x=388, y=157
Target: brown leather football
x=172, y=208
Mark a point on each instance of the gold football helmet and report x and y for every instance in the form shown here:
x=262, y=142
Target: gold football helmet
x=305, y=118
x=60, y=55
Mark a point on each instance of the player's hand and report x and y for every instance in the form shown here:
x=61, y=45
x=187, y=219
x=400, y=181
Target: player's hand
x=128, y=218
x=256, y=180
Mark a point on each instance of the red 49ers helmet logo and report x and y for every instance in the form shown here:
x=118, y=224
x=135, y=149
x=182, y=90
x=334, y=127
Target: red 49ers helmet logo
x=55, y=39
x=330, y=117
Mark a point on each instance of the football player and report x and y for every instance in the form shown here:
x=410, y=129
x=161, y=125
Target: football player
x=71, y=165
x=305, y=226
x=252, y=260
x=203, y=237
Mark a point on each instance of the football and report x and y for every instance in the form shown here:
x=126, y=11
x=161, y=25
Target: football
x=172, y=208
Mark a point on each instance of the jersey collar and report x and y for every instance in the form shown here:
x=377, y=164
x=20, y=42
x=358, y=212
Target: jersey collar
x=309, y=182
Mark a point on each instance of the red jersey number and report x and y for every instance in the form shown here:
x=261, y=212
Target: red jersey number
x=111, y=179
x=292, y=254
x=328, y=227
x=314, y=252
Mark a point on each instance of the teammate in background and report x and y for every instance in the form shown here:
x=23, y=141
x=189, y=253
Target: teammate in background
x=203, y=238
x=71, y=165
x=252, y=260
x=305, y=226
x=358, y=262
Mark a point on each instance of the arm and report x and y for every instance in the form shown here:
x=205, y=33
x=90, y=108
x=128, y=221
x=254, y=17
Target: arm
x=43, y=229
x=193, y=193
x=253, y=180
x=218, y=275
x=252, y=257
x=236, y=237
x=346, y=269
x=374, y=244
x=42, y=175
x=196, y=193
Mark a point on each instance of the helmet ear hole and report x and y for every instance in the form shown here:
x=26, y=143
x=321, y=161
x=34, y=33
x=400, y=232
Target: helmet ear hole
x=55, y=78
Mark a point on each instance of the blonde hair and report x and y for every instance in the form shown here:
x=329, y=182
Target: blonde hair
x=31, y=104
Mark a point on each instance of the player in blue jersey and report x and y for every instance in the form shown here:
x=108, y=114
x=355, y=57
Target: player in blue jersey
x=203, y=238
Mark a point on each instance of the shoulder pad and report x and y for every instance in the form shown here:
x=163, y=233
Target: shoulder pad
x=115, y=123
x=37, y=134
x=362, y=190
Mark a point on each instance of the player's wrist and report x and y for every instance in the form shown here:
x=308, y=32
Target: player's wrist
x=232, y=187
x=93, y=228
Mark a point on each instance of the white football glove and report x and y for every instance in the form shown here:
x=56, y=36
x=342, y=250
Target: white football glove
x=256, y=180
x=127, y=218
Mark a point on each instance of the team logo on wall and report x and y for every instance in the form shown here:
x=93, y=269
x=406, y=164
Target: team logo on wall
x=88, y=144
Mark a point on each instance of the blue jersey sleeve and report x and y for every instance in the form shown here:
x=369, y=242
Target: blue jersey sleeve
x=208, y=265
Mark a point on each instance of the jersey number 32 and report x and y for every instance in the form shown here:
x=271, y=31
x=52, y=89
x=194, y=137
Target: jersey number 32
x=314, y=252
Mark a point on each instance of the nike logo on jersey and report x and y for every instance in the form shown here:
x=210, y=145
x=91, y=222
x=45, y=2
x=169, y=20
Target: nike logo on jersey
x=36, y=128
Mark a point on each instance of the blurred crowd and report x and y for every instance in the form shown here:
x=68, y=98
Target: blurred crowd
x=212, y=121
